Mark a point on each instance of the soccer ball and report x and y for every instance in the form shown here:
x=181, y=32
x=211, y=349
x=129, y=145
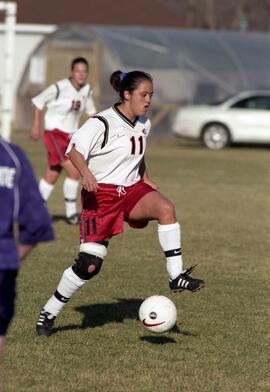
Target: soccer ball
x=158, y=314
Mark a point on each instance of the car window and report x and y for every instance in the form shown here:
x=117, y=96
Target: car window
x=220, y=102
x=259, y=103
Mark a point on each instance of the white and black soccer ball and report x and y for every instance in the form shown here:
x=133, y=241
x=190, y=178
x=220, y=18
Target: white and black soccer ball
x=158, y=314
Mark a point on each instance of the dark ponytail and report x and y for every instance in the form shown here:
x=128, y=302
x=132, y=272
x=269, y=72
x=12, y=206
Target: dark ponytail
x=129, y=81
x=115, y=80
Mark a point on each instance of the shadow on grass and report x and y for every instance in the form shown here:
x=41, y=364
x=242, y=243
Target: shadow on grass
x=177, y=330
x=157, y=339
x=161, y=339
x=117, y=312
x=105, y=313
x=57, y=218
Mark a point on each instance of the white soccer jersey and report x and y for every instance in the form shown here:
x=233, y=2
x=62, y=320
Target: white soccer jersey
x=112, y=146
x=65, y=104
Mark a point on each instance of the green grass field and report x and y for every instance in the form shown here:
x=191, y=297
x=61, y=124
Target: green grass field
x=223, y=204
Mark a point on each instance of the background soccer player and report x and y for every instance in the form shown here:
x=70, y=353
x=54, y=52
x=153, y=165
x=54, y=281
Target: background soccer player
x=20, y=201
x=65, y=101
x=108, y=150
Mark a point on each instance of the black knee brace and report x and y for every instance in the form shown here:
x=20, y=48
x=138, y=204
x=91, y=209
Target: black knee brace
x=57, y=168
x=83, y=262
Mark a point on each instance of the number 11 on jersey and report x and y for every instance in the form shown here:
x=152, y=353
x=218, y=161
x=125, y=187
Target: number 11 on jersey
x=133, y=145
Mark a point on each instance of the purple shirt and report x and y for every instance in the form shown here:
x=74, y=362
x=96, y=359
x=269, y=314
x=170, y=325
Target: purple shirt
x=21, y=202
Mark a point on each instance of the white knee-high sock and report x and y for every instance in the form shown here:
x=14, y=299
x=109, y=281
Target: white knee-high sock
x=70, y=190
x=69, y=284
x=170, y=241
x=45, y=189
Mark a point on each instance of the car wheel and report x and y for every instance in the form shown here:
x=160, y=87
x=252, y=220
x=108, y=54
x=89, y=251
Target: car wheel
x=216, y=136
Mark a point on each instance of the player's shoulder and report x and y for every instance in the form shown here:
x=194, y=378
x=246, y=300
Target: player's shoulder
x=86, y=88
x=102, y=118
x=62, y=83
x=11, y=148
x=14, y=151
x=112, y=116
x=107, y=113
x=98, y=123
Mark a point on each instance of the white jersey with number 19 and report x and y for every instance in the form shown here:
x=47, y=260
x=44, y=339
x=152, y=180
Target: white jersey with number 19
x=112, y=146
x=65, y=105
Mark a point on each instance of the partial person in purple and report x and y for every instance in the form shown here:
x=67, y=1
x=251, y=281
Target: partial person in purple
x=21, y=203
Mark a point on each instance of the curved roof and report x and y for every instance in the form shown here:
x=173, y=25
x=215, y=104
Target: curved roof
x=227, y=61
x=232, y=60
x=188, y=66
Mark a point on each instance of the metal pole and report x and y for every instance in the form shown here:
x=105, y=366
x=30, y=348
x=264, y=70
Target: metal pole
x=7, y=92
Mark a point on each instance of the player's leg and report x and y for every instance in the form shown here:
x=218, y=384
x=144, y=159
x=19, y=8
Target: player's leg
x=85, y=267
x=97, y=225
x=70, y=190
x=47, y=182
x=54, y=157
x=7, y=300
x=154, y=205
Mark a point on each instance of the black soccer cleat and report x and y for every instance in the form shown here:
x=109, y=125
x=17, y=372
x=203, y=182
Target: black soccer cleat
x=186, y=282
x=73, y=219
x=45, y=323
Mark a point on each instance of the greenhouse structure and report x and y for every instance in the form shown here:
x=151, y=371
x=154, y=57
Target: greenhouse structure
x=188, y=66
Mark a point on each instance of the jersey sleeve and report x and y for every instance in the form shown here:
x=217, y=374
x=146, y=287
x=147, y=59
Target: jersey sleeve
x=46, y=96
x=88, y=137
x=90, y=105
x=33, y=219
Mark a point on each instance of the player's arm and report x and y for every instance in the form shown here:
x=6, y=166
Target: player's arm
x=24, y=250
x=90, y=104
x=144, y=174
x=89, y=181
x=40, y=102
x=34, y=222
x=35, y=131
x=84, y=142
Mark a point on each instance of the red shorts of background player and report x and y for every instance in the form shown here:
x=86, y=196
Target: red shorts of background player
x=104, y=212
x=56, y=143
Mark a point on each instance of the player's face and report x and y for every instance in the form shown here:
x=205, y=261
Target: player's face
x=140, y=98
x=79, y=74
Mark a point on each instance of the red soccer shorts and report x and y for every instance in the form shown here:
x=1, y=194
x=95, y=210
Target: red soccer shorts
x=56, y=143
x=104, y=212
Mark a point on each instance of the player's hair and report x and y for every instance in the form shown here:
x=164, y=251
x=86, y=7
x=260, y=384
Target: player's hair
x=122, y=81
x=79, y=60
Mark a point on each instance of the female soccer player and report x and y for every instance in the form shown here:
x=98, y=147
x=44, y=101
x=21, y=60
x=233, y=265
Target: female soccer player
x=65, y=100
x=108, y=151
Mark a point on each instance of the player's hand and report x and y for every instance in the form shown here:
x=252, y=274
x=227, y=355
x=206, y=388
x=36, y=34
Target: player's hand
x=35, y=134
x=89, y=182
